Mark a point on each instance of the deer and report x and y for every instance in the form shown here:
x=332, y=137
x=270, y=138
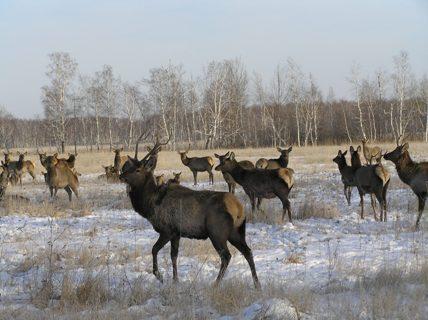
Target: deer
x=371, y=153
x=176, y=179
x=60, y=176
x=183, y=212
x=70, y=161
x=261, y=183
x=281, y=162
x=370, y=179
x=160, y=180
x=18, y=168
x=7, y=158
x=197, y=164
x=111, y=174
x=119, y=160
x=246, y=164
x=414, y=174
x=347, y=174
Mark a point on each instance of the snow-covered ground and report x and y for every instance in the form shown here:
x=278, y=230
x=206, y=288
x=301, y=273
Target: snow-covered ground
x=92, y=259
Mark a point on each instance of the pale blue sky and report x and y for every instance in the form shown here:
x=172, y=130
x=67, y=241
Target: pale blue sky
x=324, y=37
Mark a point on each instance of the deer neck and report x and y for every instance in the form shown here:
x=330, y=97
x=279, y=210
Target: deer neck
x=405, y=167
x=237, y=173
x=143, y=197
x=185, y=160
x=283, y=162
x=342, y=165
x=355, y=163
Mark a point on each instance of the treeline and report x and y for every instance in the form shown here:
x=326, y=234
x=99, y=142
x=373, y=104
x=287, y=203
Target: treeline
x=224, y=107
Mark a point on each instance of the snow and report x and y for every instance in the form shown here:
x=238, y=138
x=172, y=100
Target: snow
x=315, y=253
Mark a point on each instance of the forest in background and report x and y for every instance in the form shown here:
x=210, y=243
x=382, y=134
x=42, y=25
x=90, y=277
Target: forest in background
x=223, y=107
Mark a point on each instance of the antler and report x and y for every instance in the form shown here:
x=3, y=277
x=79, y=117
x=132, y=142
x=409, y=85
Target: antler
x=142, y=136
x=188, y=148
x=398, y=139
x=155, y=148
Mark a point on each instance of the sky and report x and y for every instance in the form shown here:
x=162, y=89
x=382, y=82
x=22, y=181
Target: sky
x=324, y=37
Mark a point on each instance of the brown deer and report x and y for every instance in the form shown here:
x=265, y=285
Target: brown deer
x=187, y=213
x=176, y=179
x=111, y=174
x=246, y=164
x=281, y=162
x=198, y=164
x=70, y=161
x=414, y=174
x=18, y=168
x=370, y=179
x=7, y=158
x=347, y=175
x=60, y=176
x=160, y=180
x=119, y=160
x=260, y=183
x=371, y=153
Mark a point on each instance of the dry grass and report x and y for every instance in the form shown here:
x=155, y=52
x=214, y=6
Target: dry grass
x=312, y=208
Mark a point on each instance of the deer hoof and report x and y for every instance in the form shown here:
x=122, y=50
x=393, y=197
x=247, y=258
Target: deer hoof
x=158, y=276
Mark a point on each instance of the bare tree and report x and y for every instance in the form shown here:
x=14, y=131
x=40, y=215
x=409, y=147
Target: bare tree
x=131, y=98
x=295, y=91
x=355, y=81
x=61, y=70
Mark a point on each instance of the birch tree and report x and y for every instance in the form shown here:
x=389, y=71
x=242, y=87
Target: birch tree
x=61, y=71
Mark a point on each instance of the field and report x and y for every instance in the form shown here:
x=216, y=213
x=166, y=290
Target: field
x=91, y=258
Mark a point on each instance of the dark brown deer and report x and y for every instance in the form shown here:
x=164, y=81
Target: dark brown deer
x=60, y=176
x=176, y=179
x=260, y=183
x=370, y=179
x=281, y=162
x=198, y=164
x=371, y=153
x=183, y=212
x=414, y=174
x=18, y=168
x=246, y=164
x=347, y=175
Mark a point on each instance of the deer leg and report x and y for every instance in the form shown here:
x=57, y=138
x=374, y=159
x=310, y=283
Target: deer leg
x=195, y=178
x=253, y=203
x=421, y=205
x=259, y=203
x=233, y=187
x=160, y=243
x=68, y=190
x=345, y=191
x=374, y=210
x=51, y=191
x=362, y=204
x=221, y=247
x=237, y=239
x=175, y=243
x=76, y=192
x=211, y=176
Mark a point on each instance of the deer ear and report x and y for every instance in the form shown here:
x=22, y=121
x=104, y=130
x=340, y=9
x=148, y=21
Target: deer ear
x=55, y=155
x=179, y=173
x=290, y=149
x=121, y=149
x=216, y=155
x=232, y=156
x=358, y=148
x=405, y=147
x=344, y=153
x=351, y=149
x=279, y=149
x=339, y=153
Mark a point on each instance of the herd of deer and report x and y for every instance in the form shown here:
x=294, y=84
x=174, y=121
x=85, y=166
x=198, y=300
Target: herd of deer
x=176, y=211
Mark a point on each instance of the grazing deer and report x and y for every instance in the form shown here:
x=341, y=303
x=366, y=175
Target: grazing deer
x=187, y=213
x=371, y=153
x=176, y=179
x=261, y=183
x=198, y=164
x=18, y=168
x=370, y=179
x=414, y=174
x=60, y=176
x=227, y=177
x=347, y=175
x=281, y=162
x=119, y=160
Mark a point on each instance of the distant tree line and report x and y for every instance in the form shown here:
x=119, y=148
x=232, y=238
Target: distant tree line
x=223, y=107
